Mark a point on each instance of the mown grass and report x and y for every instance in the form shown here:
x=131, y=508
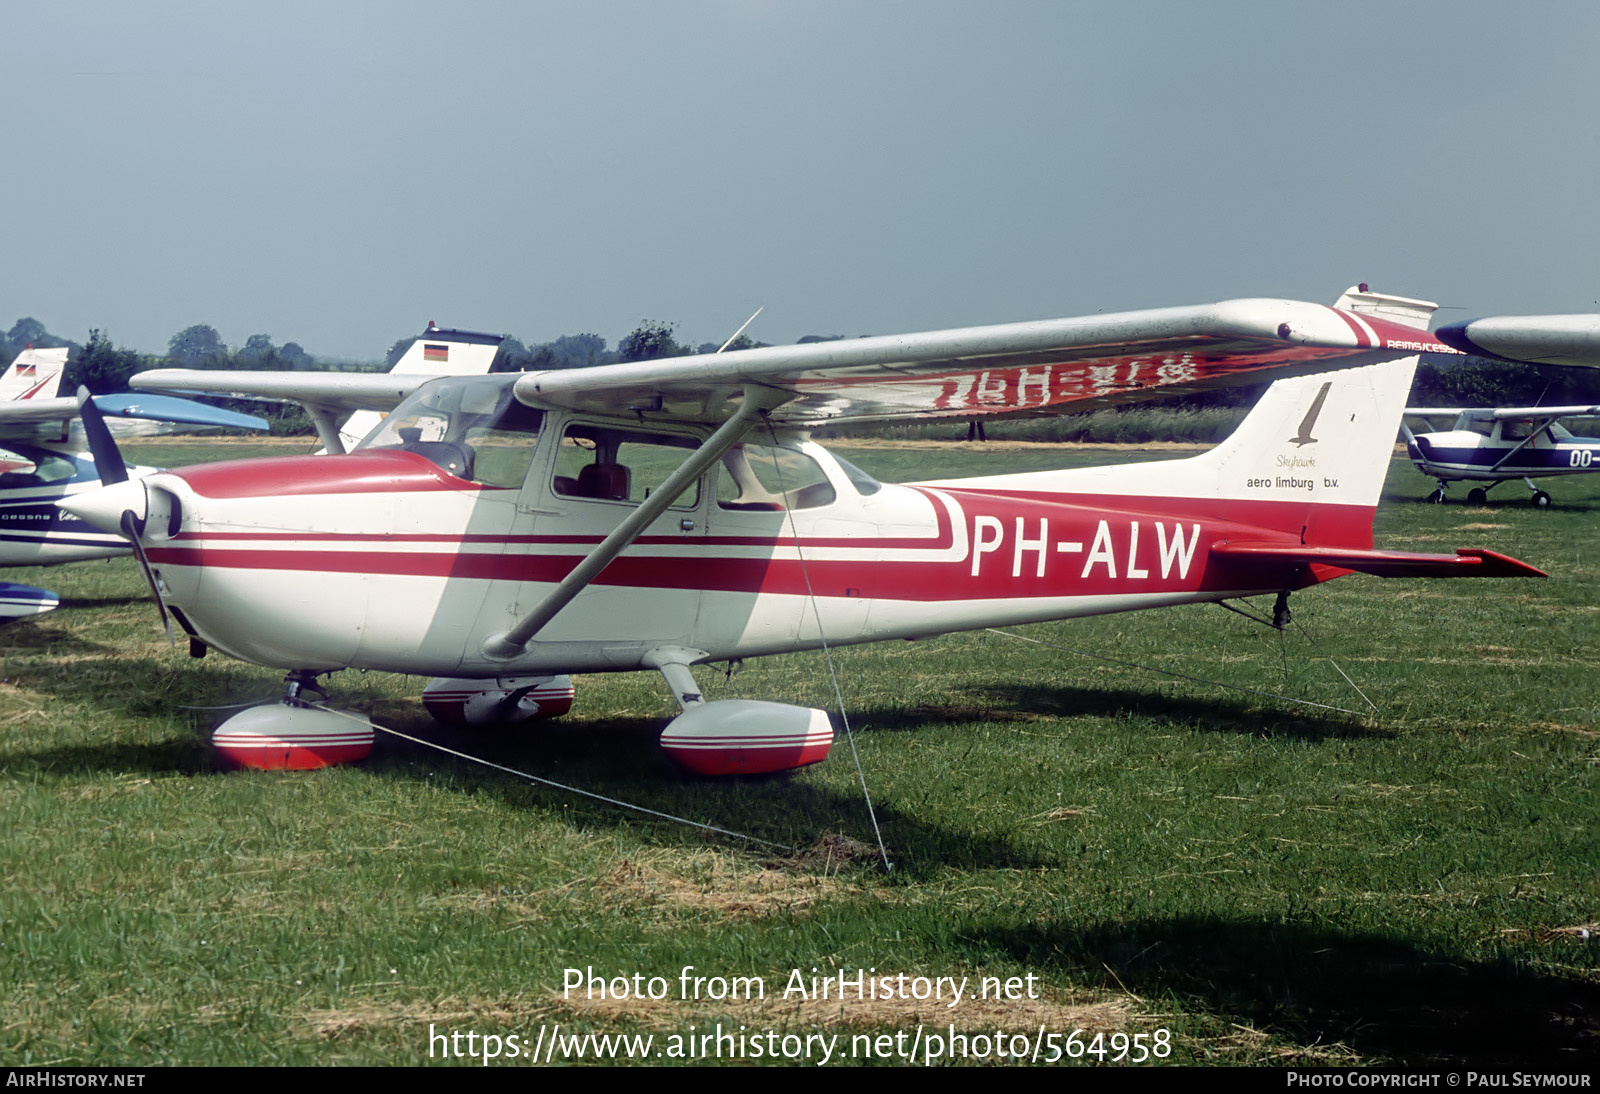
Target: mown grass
x=1270, y=882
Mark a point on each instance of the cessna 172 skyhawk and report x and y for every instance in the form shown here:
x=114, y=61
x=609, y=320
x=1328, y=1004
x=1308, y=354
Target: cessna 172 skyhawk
x=499, y=531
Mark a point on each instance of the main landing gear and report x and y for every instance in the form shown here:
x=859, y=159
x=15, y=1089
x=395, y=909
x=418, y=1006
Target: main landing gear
x=1479, y=495
x=735, y=736
x=297, y=733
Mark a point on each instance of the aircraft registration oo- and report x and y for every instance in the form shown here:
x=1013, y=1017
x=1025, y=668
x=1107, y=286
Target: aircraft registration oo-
x=501, y=532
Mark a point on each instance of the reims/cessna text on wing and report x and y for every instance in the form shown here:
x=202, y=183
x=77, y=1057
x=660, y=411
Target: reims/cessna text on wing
x=500, y=532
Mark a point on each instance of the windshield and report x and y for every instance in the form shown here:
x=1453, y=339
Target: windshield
x=49, y=468
x=473, y=428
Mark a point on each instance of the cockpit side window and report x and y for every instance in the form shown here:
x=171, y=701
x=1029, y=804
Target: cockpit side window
x=609, y=463
x=49, y=469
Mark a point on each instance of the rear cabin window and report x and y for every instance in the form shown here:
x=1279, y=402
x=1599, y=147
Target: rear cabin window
x=758, y=477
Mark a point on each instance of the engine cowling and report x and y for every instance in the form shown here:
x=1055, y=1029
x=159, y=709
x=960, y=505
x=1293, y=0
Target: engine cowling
x=505, y=700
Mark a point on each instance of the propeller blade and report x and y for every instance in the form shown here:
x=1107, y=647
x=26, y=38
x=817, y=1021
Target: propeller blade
x=132, y=528
x=102, y=446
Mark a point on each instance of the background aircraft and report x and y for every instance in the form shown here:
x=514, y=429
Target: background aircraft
x=43, y=458
x=34, y=374
x=479, y=534
x=435, y=353
x=1490, y=445
x=48, y=461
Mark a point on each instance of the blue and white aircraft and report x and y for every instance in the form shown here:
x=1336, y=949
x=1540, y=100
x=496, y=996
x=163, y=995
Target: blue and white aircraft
x=1491, y=445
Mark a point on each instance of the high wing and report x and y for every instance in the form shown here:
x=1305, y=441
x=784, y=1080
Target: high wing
x=336, y=391
x=329, y=397
x=1539, y=339
x=1016, y=368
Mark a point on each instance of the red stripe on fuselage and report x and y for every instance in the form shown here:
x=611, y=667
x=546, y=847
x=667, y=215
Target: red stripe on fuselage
x=376, y=472
x=1325, y=524
x=1020, y=548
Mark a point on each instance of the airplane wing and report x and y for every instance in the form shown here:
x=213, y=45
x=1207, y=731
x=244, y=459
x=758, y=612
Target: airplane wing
x=1017, y=368
x=159, y=408
x=1538, y=339
x=1548, y=412
x=338, y=391
x=1492, y=413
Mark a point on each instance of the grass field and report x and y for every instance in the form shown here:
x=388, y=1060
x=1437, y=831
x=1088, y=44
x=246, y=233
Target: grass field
x=1233, y=878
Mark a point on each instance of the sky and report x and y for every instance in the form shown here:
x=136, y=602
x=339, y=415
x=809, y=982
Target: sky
x=338, y=173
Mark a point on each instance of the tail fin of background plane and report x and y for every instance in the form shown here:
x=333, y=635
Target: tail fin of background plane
x=35, y=374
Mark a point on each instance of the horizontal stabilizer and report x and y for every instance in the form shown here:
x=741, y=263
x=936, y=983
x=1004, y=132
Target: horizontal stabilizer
x=1466, y=562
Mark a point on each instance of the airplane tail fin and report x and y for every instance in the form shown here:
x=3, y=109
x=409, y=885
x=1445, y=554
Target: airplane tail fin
x=35, y=374
x=1290, y=496
x=450, y=353
x=1309, y=459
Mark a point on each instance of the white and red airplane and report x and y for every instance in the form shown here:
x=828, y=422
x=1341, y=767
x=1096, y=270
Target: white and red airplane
x=500, y=532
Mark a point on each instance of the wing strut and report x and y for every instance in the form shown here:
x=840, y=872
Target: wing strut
x=504, y=647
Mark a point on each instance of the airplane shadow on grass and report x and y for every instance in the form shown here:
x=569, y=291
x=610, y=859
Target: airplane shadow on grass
x=73, y=603
x=1386, y=998
x=620, y=758
x=1261, y=716
x=616, y=758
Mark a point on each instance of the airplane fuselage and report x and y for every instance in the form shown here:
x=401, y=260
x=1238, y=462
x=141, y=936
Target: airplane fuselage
x=383, y=559
x=1465, y=456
